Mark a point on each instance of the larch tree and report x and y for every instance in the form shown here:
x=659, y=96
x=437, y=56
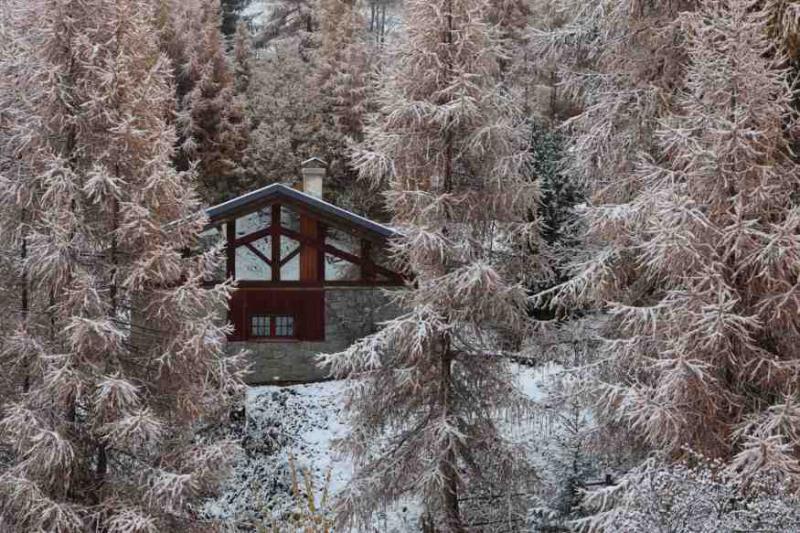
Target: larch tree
x=286, y=115
x=212, y=123
x=343, y=65
x=242, y=57
x=622, y=78
x=119, y=344
x=698, y=265
x=510, y=18
x=424, y=389
x=289, y=18
x=345, y=89
x=15, y=117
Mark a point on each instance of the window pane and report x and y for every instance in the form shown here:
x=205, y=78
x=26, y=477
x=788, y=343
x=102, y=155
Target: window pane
x=249, y=266
x=343, y=241
x=337, y=269
x=291, y=270
x=290, y=219
x=253, y=222
x=284, y=326
x=260, y=326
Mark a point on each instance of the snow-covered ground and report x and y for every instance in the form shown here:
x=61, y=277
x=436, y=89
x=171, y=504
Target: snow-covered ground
x=300, y=423
x=295, y=423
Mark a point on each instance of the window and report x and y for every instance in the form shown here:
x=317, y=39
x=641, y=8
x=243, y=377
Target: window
x=284, y=326
x=260, y=326
x=270, y=327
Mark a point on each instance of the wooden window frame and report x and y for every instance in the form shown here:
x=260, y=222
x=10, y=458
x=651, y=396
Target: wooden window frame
x=273, y=320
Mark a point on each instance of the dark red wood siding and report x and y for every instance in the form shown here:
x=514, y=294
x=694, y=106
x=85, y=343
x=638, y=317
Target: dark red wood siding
x=307, y=306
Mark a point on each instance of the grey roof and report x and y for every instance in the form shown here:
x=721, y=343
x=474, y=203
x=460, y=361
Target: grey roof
x=279, y=190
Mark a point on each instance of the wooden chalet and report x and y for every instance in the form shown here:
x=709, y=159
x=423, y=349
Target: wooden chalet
x=305, y=269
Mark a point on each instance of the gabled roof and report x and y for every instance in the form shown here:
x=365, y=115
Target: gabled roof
x=279, y=191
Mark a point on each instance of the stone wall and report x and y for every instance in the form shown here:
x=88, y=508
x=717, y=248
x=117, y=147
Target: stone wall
x=350, y=313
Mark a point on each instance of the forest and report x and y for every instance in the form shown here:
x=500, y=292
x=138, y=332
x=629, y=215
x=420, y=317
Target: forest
x=593, y=207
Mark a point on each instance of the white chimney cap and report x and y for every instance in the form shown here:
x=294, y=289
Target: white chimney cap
x=314, y=162
x=314, y=171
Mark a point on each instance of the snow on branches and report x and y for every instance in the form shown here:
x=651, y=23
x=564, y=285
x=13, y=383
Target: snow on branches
x=451, y=147
x=692, y=246
x=116, y=346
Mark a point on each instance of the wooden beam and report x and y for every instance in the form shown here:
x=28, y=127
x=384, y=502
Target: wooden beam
x=275, y=232
x=230, y=249
x=292, y=255
x=260, y=234
x=341, y=254
x=258, y=253
x=367, y=267
x=320, y=245
x=309, y=256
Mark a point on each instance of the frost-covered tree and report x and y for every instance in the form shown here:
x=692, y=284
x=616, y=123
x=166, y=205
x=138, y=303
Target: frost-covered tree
x=286, y=115
x=559, y=195
x=119, y=340
x=346, y=87
x=425, y=388
x=289, y=18
x=242, y=57
x=692, y=497
x=566, y=461
x=15, y=213
x=343, y=66
x=510, y=18
x=697, y=262
x=624, y=76
x=211, y=122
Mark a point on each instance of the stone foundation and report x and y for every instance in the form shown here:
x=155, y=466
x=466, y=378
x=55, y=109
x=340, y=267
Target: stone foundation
x=350, y=313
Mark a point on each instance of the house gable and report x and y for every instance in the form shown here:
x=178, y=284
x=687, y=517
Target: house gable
x=285, y=249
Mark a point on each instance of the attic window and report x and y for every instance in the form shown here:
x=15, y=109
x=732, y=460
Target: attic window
x=271, y=327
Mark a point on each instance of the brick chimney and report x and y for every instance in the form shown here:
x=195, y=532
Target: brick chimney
x=314, y=171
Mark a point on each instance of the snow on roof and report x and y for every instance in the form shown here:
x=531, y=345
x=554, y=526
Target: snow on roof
x=315, y=204
x=314, y=160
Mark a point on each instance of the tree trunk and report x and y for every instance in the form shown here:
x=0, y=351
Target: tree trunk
x=447, y=466
x=26, y=379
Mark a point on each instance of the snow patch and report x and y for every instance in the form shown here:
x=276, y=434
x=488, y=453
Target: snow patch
x=302, y=422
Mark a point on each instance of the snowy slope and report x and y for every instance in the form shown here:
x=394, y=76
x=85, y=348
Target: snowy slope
x=296, y=422
x=301, y=422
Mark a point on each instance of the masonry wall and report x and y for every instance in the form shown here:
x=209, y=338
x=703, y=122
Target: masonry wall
x=350, y=313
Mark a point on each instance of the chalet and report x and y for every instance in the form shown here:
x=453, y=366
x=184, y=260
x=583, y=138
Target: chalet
x=311, y=276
